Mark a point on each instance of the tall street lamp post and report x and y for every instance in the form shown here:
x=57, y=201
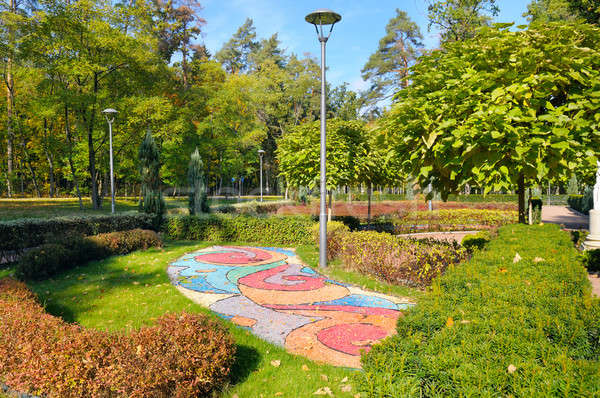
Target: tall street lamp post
x=261, y=153
x=109, y=112
x=320, y=18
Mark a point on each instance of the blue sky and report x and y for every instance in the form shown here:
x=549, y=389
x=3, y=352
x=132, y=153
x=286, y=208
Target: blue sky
x=353, y=39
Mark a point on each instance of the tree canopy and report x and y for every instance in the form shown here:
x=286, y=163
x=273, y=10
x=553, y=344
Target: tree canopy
x=459, y=19
x=504, y=109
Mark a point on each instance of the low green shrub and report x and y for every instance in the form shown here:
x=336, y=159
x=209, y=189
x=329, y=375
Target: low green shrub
x=183, y=355
x=536, y=210
x=498, y=325
x=396, y=260
x=278, y=230
x=51, y=258
x=476, y=241
x=592, y=260
x=20, y=234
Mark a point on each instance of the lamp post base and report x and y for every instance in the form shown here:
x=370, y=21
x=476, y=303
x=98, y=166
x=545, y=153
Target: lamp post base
x=592, y=241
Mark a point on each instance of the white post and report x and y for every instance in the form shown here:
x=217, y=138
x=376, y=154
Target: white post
x=593, y=239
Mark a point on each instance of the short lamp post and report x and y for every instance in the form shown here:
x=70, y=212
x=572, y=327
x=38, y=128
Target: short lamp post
x=109, y=113
x=593, y=239
x=319, y=19
x=260, y=154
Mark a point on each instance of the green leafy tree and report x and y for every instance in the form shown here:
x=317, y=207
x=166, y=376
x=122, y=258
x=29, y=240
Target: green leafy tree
x=544, y=11
x=343, y=103
x=149, y=157
x=198, y=202
x=460, y=19
x=235, y=54
x=586, y=9
x=504, y=110
x=387, y=68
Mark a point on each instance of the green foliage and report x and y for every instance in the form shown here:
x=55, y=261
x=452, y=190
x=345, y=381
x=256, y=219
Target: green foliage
x=392, y=259
x=70, y=361
x=544, y=11
x=459, y=20
x=592, y=260
x=26, y=233
x=50, y=259
x=536, y=209
x=497, y=327
x=476, y=241
x=589, y=10
x=152, y=202
x=503, y=106
x=198, y=200
x=387, y=68
x=582, y=203
x=241, y=228
x=573, y=186
x=236, y=52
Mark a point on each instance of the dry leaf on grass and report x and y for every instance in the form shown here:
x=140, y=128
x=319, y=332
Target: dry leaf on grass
x=323, y=391
x=517, y=258
x=276, y=363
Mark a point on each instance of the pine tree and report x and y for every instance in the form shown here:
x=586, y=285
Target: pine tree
x=152, y=202
x=236, y=52
x=387, y=68
x=198, y=202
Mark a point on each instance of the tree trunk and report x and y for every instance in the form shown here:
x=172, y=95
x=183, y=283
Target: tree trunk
x=521, y=192
x=9, y=125
x=70, y=156
x=96, y=204
x=350, y=194
x=49, y=158
x=29, y=168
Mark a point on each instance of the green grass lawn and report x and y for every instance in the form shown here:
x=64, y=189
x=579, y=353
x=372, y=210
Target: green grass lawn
x=129, y=291
x=11, y=209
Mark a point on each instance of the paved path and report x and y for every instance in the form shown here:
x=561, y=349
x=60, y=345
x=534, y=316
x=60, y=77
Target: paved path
x=273, y=294
x=563, y=215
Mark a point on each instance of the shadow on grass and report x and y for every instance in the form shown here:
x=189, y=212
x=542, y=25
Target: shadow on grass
x=246, y=361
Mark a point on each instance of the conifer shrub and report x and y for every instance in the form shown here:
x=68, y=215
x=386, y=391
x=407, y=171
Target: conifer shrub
x=182, y=355
x=497, y=325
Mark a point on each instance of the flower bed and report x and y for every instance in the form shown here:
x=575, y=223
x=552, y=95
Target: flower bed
x=182, y=356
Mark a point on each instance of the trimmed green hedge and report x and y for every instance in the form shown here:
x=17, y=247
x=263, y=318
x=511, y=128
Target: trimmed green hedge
x=49, y=259
x=582, y=203
x=16, y=235
x=277, y=230
x=498, y=326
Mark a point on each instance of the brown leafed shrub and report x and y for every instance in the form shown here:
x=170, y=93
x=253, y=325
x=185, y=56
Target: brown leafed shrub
x=183, y=355
x=396, y=260
x=127, y=241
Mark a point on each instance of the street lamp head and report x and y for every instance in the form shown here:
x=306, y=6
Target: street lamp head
x=109, y=112
x=323, y=17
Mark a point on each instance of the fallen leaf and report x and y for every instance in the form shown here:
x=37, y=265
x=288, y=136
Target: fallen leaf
x=278, y=394
x=305, y=368
x=502, y=270
x=346, y=388
x=512, y=368
x=323, y=391
x=464, y=321
x=357, y=395
x=537, y=259
x=276, y=363
x=324, y=378
x=517, y=258
x=344, y=380
x=449, y=322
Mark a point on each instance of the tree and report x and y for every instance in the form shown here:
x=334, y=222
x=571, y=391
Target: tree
x=544, y=11
x=343, y=103
x=502, y=110
x=387, y=68
x=198, y=202
x=149, y=157
x=298, y=153
x=586, y=9
x=235, y=54
x=460, y=19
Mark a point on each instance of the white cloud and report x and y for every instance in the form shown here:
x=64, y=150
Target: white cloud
x=358, y=84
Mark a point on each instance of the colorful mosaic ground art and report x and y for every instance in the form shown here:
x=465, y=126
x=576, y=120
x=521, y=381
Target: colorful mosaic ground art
x=269, y=291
